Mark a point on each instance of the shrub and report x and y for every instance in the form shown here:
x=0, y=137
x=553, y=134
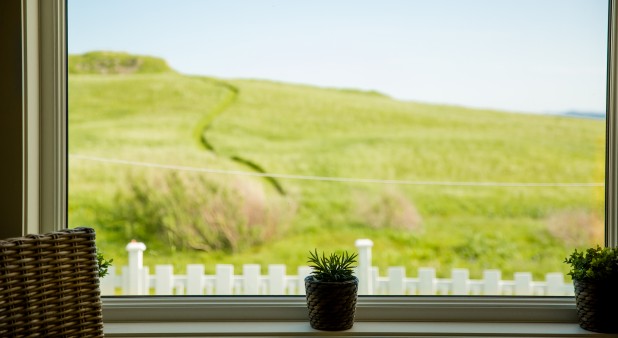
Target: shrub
x=389, y=209
x=576, y=228
x=103, y=62
x=189, y=211
x=493, y=249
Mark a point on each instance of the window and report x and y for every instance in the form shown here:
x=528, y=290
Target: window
x=372, y=308
x=157, y=156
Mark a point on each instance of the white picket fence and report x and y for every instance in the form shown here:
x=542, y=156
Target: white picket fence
x=137, y=280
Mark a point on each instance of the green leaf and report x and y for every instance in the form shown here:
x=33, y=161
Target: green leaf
x=333, y=268
x=595, y=264
x=103, y=264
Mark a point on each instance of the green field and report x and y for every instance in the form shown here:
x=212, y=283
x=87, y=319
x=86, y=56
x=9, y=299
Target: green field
x=163, y=117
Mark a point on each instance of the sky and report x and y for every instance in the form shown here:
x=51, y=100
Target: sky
x=537, y=56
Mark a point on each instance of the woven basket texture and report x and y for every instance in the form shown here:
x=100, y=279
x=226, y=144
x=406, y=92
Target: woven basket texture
x=331, y=305
x=596, y=305
x=49, y=285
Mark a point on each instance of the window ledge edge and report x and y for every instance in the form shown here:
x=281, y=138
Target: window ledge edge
x=360, y=329
x=369, y=308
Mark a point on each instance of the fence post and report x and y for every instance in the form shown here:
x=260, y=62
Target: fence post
x=491, y=282
x=303, y=271
x=251, y=279
x=523, y=283
x=145, y=282
x=136, y=264
x=374, y=275
x=460, y=279
x=426, y=281
x=396, y=280
x=164, y=280
x=195, y=279
x=108, y=283
x=365, y=286
x=225, y=279
x=555, y=284
x=276, y=279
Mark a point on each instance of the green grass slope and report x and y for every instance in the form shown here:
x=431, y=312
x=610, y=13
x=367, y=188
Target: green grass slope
x=259, y=126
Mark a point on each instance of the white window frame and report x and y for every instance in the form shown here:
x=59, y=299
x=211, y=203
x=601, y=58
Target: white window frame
x=44, y=54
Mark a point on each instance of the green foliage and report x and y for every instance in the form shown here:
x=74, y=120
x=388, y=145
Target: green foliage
x=103, y=264
x=594, y=264
x=494, y=248
x=388, y=209
x=189, y=211
x=576, y=228
x=115, y=63
x=333, y=268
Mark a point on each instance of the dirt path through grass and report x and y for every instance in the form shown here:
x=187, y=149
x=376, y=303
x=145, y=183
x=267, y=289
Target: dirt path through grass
x=206, y=122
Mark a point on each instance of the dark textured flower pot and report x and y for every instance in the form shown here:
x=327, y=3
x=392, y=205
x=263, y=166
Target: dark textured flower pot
x=331, y=305
x=597, y=305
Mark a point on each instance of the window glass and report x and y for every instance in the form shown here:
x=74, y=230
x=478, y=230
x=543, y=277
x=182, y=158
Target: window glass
x=464, y=139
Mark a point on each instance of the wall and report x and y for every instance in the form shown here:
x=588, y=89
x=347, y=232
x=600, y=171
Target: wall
x=11, y=122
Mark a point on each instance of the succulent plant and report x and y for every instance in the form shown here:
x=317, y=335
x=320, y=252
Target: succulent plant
x=337, y=267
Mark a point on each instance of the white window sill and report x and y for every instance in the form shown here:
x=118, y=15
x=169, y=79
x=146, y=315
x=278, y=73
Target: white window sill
x=375, y=317
x=360, y=329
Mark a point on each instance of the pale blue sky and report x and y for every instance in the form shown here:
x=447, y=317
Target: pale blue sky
x=518, y=55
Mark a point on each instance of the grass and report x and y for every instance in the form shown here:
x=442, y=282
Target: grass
x=295, y=129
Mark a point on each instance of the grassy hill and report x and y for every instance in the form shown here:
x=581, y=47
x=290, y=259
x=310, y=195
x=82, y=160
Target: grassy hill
x=105, y=62
x=253, y=126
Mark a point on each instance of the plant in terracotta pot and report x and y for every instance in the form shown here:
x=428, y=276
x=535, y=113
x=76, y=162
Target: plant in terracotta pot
x=331, y=291
x=595, y=277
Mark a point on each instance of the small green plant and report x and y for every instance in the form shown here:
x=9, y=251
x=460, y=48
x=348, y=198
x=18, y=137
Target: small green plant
x=594, y=264
x=103, y=264
x=333, y=268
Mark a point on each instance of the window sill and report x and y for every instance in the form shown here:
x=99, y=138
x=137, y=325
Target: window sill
x=376, y=316
x=360, y=329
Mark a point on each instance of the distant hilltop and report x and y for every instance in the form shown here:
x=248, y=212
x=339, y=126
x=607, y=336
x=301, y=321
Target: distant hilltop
x=105, y=62
x=585, y=115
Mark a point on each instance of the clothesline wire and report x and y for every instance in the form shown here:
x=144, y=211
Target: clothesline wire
x=330, y=179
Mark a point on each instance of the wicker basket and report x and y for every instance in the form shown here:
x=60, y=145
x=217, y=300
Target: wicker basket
x=596, y=305
x=49, y=285
x=331, y=305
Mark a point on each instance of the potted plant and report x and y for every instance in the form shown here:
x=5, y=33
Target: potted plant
x=103, y=264
x=331, y=291
x=595, y=277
